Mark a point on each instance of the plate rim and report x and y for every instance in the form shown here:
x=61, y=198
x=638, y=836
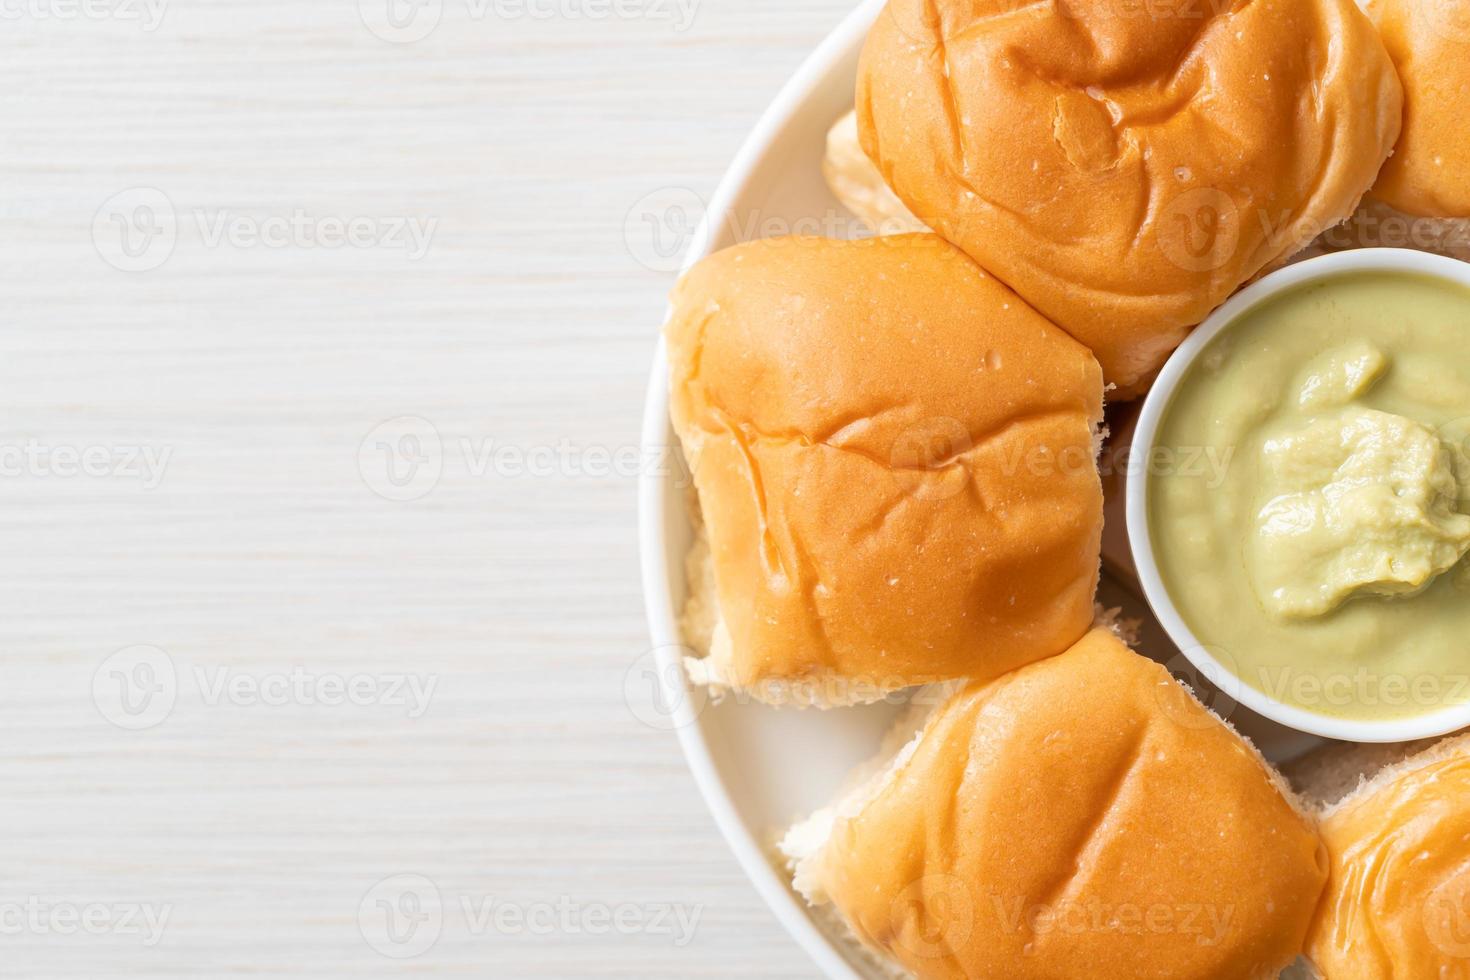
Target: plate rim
x=656, y=484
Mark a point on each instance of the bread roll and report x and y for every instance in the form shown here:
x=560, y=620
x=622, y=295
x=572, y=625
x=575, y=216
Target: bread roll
x=1429, y=42
x=1126, y=166
x=859, y=186
x=1083, y=817
x=895, y=460
x=1422, y=197
x=1398, y=895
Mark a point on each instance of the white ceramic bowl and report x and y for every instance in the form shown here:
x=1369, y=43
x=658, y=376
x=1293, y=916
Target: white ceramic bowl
x=759, y=768
x=1155, y=407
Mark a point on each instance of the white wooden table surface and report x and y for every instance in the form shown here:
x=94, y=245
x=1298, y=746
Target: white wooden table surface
x=238, y=237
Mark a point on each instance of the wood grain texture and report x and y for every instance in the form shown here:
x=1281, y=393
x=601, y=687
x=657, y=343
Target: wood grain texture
x=264, y=553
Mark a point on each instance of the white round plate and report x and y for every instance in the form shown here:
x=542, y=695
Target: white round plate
x=759, y=768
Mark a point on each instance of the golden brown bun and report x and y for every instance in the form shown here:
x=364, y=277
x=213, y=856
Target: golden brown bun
x=1122, y=166
x=859, y=186
x=1398, y=898
x=894, y=457
x=1429, y=41
x=1081, y=818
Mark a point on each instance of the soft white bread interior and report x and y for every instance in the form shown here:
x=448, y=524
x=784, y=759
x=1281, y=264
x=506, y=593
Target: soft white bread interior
x=1126, y=166
x=1083, y=817
x=1327, y=775
x=895, y=460
x=857, y=183
x=702, y=626
x=1398, y=895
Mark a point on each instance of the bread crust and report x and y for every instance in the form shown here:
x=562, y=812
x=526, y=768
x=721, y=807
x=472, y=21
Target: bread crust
x=1125, y=166
x=1398, y=896
x=1429, y=42
x=1081, y=817
x=895, y=462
